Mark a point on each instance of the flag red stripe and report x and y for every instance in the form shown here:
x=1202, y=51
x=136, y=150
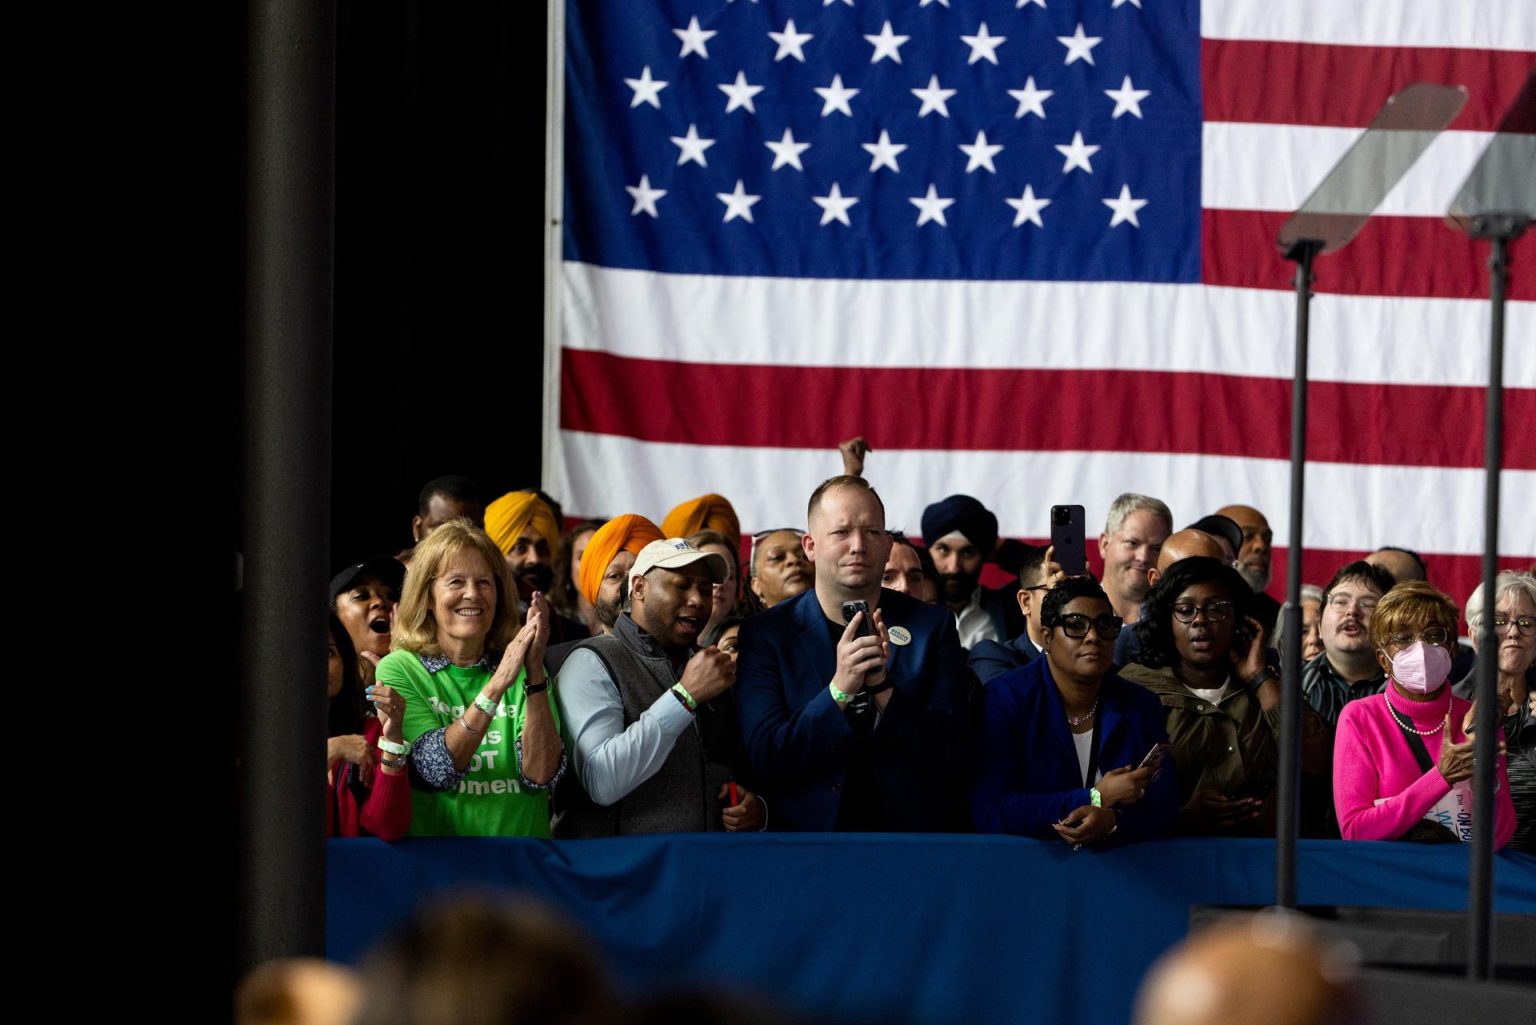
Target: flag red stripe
x=1323, y=84
x=1392, y=256
x=1036, y=410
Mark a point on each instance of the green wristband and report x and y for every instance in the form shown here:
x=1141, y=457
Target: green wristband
x=839, y=696
x=1095, y=798
x=682, y=692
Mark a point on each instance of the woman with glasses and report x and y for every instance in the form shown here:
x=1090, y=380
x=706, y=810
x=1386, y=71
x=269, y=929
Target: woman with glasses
x=778, y=567
x=1202, y=654
x=1514, y=628
x=1402, y=762
x=1067, y=748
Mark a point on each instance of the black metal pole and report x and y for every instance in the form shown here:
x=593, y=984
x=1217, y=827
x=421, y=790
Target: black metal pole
x=290, y=174
x=1480, y=900
x=1288, y=810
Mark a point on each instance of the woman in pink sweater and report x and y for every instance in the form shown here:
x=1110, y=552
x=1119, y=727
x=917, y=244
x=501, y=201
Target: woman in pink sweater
x=1402, y=765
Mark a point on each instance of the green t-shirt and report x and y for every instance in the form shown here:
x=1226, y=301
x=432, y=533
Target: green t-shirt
x=491, y=800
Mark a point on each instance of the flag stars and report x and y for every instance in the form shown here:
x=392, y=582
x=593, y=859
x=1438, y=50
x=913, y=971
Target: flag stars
x=1028, y=208
x=1077, y=154
x=1079, y=46
x=931, y=207
x=647, y=89
x=886, y=44
x=694, y=39
x=934, y=98
x=983, y=46
x=1127, y=98
x=787, y=151
x=1031, y=100
x=836, y=97
x=737, y=203
x=980, y=153
x=884, y=152
x=644, y=196
x=691, y=147
x=834, y=206
x=791, y=43
x=1124, y=207
x=740, y=93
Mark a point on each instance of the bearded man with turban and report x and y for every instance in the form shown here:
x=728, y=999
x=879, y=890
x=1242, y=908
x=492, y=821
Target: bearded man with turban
x=527, y=531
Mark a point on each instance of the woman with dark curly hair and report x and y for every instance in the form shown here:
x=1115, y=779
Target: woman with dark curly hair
x=365, y=755
x=1203, y=655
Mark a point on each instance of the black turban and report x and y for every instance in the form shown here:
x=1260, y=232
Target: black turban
x=965, y=514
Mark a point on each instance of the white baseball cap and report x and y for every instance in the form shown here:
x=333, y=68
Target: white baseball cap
x=675, y=553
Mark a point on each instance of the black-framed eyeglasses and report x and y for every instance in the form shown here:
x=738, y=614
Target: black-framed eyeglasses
x=1075, y=625
x=1214, y=611
x=1432, y=635
x=1523, y=624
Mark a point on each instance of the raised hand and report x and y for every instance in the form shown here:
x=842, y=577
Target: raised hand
x=708, y=674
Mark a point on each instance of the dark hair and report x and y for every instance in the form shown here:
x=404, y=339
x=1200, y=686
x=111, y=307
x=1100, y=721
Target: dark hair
x=924, y=559
x=1155, y=627
x=453, y=486
x=348, y=709
x=1371, y=574
x=1415, y=556
x=1031, y=563
x=1059, y=596
x=842, y=480
x=562, y=593
x=712, y=635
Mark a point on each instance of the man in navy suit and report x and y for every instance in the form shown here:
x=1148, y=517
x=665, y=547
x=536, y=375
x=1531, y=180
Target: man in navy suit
x=854, y=723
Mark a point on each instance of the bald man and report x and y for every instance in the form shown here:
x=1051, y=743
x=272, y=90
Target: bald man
x=1253, y=562
x=1272, y=968
x=1403, y=563
x=1184, y=544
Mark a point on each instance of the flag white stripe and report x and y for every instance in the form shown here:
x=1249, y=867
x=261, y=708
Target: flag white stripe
x=1276, y=167
x=1034, y=324
x=1474, y=24
x=1348, y=506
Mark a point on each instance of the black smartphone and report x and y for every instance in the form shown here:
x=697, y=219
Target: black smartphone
x=853, y=608
x=1067, y=536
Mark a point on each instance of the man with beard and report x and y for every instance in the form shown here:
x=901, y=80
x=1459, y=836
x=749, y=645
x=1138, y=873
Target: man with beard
x=1134, y=532
x=524, y=527
x=364, y=598
x=605, y=566
x=1347, y=669
x=961, y=533
x=854, y=721
x=652, y=718
x=1253, y=562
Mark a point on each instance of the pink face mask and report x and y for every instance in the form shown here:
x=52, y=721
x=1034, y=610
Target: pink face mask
x=1421, y=668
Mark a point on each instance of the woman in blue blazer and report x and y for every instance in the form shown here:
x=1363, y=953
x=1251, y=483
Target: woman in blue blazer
x=1062, y=740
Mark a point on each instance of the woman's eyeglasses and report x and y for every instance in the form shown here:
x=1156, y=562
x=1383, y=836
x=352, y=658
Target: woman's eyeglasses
x=1076, y=626
x=1435, y=636
x=1215, y=612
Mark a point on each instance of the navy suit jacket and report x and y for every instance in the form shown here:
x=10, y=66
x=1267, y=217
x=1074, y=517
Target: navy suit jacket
x=1028, y=775
x=991, y=659
x=798, y=739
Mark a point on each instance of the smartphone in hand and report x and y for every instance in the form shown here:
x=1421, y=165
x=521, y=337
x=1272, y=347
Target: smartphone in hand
x=853, y=608
x=1067, y=525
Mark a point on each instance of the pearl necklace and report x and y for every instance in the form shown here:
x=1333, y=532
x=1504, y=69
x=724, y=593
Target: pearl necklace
x=1407, y=725
x=1078, y=720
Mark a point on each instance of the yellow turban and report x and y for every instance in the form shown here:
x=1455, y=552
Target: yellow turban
x=510, y=516
x=626, y=533
x=707, y=512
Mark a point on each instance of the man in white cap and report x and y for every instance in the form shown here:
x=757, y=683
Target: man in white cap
x=651, y=717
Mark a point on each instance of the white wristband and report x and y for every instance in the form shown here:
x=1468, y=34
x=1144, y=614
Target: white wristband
x=398, y=750
x=485, y=705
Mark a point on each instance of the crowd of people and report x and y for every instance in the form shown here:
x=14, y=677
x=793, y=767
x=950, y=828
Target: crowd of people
x=502, y=677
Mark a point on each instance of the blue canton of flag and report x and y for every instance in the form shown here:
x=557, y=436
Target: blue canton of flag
x=1013, y=140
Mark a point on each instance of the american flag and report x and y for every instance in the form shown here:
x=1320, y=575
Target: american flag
x=1026, y=249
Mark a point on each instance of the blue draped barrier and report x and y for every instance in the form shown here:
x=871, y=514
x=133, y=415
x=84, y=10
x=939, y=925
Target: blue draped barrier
x=922, y=929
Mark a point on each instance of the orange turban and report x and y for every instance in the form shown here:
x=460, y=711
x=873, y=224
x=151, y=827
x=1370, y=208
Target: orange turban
x=627, y=533
x=510, y=516
x=707, y=512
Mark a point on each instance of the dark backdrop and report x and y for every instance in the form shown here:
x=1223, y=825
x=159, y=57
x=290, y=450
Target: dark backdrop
x=439, y=252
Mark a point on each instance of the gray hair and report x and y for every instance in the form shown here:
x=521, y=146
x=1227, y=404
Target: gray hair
x=1506, y=583
x=1309, y=592
x=1131, y=502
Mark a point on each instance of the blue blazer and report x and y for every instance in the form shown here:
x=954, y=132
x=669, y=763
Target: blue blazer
x=991, y=659
x=1027, y=772
x=798, y=739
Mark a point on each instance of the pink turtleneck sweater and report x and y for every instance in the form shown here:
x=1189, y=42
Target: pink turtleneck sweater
x=1372, y=760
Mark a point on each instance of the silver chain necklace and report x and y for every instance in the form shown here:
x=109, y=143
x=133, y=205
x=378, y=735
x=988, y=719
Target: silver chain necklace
x=1078, y=720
